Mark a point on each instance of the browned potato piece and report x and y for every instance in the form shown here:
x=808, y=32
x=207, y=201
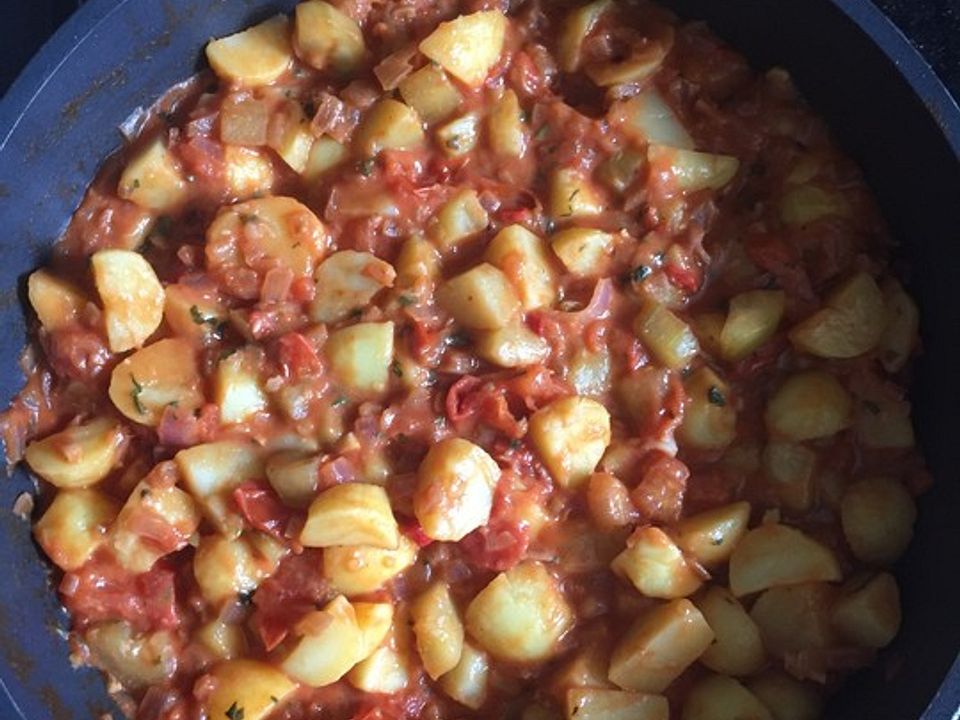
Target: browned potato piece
x=74, y=526
x=737, y=648
x=810, y=404
x=655, y=566
x=878, y=516
x=711, y=536
x=389, y=125
x=351, y=514
x=718, y=697
x=55, y=301
x=156, y=377
x=794, y=618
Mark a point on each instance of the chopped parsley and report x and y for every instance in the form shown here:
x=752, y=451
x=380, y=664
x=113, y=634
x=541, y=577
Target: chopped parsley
x=135, y=394
x=396, y=369
x=715, y=396
x=136, y=183
x=405, y=301
x=639, y=273
x=200, y=319
x=455, y=143
x=247, y=218
x=570, y=200
x=542, y=133
x=274, y=699
x=342, y=400
x=234, y=712
x=366, y=167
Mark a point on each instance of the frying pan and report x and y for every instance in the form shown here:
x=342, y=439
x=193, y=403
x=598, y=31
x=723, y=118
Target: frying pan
x=58, y=122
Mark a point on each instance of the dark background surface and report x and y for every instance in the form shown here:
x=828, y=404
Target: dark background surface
x=932, y=25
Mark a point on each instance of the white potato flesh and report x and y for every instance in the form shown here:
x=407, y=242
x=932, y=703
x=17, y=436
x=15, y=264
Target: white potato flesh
x=351, y=514
x=668, y=338
x=459, y=136
x=469, y=46
x=648, y=118
x=224, y=640
x=753, y=318
x=467, y=682
x=131, y=295
x=810, y=404
x=573, y=195
x=656, y=566
x=901, y=331
x=521, y=615
x=152, y=179
x=512, y=346
x=693, y=171
x=237, y=389
x=717, y=697
x=248, y=172
x=710, y=415
x=294, y=475
x=805, y=203
x=583, y=251
x=360, y=356
x=600, y=704
x=325, y=154
x=374, y=620
x=360, y=569
x=163, y=374
x=710, y=537
x=225, y=568
x=877, y=515
x=324, y=37
x=773, y=555
x=868, y=613
x=577, y=25
x=56, y=302
x=213, y=470
x=78, y=456
x=786, y=697
x=430, y=92
x=346, y=281
x=460, y=218
x=389, y=125
x=294, y=141
x=737, y=648
x=850, y=323
x=455, y=485
x=659, y=646
x=385, y=672
x=329, y=644
x=418, y=263
x=438, y=629
x=255, y=56
x=74, y=526
x=523, y=258
x=134, y=659
x=482, y=298
x=257, y=687
x=794, y=618
x=506, y=131
x=571, y=435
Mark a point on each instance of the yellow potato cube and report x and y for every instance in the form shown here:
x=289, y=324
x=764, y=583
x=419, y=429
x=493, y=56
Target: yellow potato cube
x=710, y=415
x=773, y=555
x=793, y=618
x=878, y=516
x=710, y=537
x=901, y=330
x=459, y=136
x=236, y=386
x=430, y=92
x=224, y=640
x=134, y=659
x=804, y=204
x=570, y=435
x=693, y=171
x=512, y=346
x=786, y=697
x=74, y=526
x=346, y=281
x=360, y=356
x=389, y=125
x=374, y=620
x=329, y=644
x=225, y=568
x=460, y=218
x=212, y=471
x=467, y=681
x=418, y=263
x=578, y=24
x=790, y=468
x=360, y=569
x=256, y=56
x=255, y=686
x=131, y=295
x=573, y=196
x=523, y=258
x=248, y=172
x=160, y=375
x=293, y=144
x=669, y=339
x=325, y=154
x=850, y=323
x=589, y=372
x=79, y=456
x=384, y=672
x=507, y=133
x=737, y=648
x=752, y=320
x=810, y=404
x=600, y=704
x=482, y=298
x=193, y=313
x=583, y=251
x=648, y=118
x=351, y=514
x=438, y=629
x=469, y=46
x=655, y=566
x=708, y=327
x=56, y=302
x=324, y=37
x=717, y=697
x=868, y=613
x=152, y=179
x=294, y=475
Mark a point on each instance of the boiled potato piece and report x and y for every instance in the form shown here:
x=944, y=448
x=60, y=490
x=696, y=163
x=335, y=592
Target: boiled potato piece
x=224, y=640
x=521, y=615
x=576, y=27
x=360, y=356
x=793, y=618
x=850, y=323
x=659, y=646
x=773, y=555
x=810, y=404
x=753, y=318
x=790, y=467
x=131, y=295
x=255, y=686
x=638, y=67
x=786, y=697
x=389, y=125
x=710, y=416
x=256, y=56
x=669, y=339
x=459, y=136
x=430, y=92
x=455, y=485
x=56, y=302
x=351, y=514
x=194, y=313
x=467, y=681
x=329, y=644
x=294, y=142
x=418, y=263
x=570, y=435
x=878, y=516
x=294, y=475
x=160, y=375
x=74, y=526
x=225, y=568
x=385, y=671
x=708, y=327
x=648, y=118
x=237, y=390
x=586, y=669
x=438, y=629
x=360, y=569
x=248, y=171
x=901, y=330
x=523, y=258
x=655, y=565
x=482, y=298
x=324, y=37
x=134, y=659
x=507, y=133
x=512, y=346
x=710, y=537
x=882, y=421
x=737, y=648
x=572, y=195
x=717, y=697
x=693, y=171
x=868, y=613
x=469, y=46
x=374, y=620
x=348, y=280
x=600, y=704
x=79, y=456
x=589, y=372
x=325, y=154
x=152, y=179
x=583, y=251
x=460, y=218
x=803, y=204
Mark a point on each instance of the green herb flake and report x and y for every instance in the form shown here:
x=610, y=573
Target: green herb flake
x=198, y=317
x=640, y=273
x=274, y=699
x=516, y=443
x=396, y=369
x=342, y=400
x=366, y=167
x=135, y=394
x=542, y=133
x=716, y=397
x=247, y=218
x=405, y=301
x=871, y=407
x=224, y=354
x=234, y=712
x=136, y=183
x=455, y=143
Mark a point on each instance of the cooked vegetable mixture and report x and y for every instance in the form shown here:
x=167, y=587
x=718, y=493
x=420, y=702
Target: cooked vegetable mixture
x=474, y=359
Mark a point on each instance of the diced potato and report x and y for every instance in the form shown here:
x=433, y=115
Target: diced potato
x=351, y=514
x=737, y=648
x=244, y=121
x=600, y=704
x=329, y=644
x=589, y=372
x=459, y=136
x=708, y=327
x=469, y=46
x=520, y=615
x=325, y=37
x=507, y=133
x=164, y=374
x=56, y=302
x=752, y=320
x=773, y=555
x=384, y=671
x=236, y=386
x=576, y=27
x=455, y=485
x=512, y=346
x=256, y=56
x=152, y=179
x=619, y=171
x=850, y=323
x=804, y=204
x=586, y=669
x=655, y=565
x=346, y=281
x=74, y=526
x=882, y=421
x=789, y=468
x=794, y=618
x=711, y=536
x=810, y=404
x=360, y=356
x=717, y=697
x=523, y=258
x=482, y=298
x=294, y=475
x=710, y=415
x=461, y=217
x=667, y=337
x=640, y=66
x=418, y=262
x=255, y=686
x=583, y=251
x=572, y=195
x=193, y=313
x=134, y=659
x=389, y=125
x=294, y=141
x=225, y=568
x=467, y=681
x=786, y=697
x=878, y=516
x=608, y=501
x=325, y=154
x=131, y=295
x=901, y=330
x=226, y=641
x=868, y=613
x=360, y=569
x=430, y=92
x=374, y=620
x=79, y=456
x=570, y=435
x=438, y=629
x=647, y=118
x=659, y=646
x=693, y=171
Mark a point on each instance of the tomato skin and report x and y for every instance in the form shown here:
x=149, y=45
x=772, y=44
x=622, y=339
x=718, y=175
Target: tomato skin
x=261, y=507
x=297, y=355
x=297, y=588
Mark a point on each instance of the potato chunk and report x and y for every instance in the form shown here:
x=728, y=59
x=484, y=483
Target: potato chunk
x=134, y=659
x=850, y=323
x=455, y=486
x=659, y=646
x=523, y=258
x=752, y=320
x=212, y=471
x=351, y=514
x=576, y=27
x=810, y=404
x=868, y=613
x=521, y=615
x=256, y=56
x=717, y=697
x=572, y=195
x=467, y=681
x=225, y=568
x=737, y=648
x=418, y=264
x=152, y=179
x=56, y=302
x=348, y=280
x=324, y=37
x=710, y=416
x=878, y=516
x=430, y=92
x=360, y=356
x=460, y=218
x=480, y=299
x=438, y=629
x=711, y=536
x=693, y=171
x=160, y=375
x=570, y=435
x=786, y=697
x=79, y=456
x=600, y=704
x=459, y=136
x=194, y=313
x=512, y=346
x=329, y=644
x=389, y=125
x=360, y=569
x=385, y=671
x=469, y=46
x=794, y=618
x=248, y=171
x=648, y=118
x=655, y=566
x=255, y=686
x=237, y=390
x=669, y=339
x=508, y=136
x=900, y=333
x=773, y=555
x=131, y=295
x=74, y=526
x=374, y=620
x=583, y=251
